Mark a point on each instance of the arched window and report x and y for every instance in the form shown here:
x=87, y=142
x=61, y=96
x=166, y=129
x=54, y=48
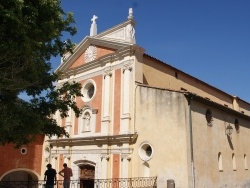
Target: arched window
x=209, y=117
x=234, y=162
x=220, y=162
x=237, y=125
x=245, y=162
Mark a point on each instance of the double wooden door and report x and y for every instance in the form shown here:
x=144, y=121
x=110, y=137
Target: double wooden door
x=87, y=176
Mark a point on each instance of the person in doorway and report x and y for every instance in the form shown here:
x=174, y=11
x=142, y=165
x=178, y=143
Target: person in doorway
x=50, y=177
x=66, y=173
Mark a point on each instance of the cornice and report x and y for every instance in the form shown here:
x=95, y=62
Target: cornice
x=84, y=44
x=103, y=152
x=115, y=28
x=99, y=63
x=94, y=140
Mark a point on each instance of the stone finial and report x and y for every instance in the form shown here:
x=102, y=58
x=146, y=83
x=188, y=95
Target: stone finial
x=130, y=14
x=93, y=28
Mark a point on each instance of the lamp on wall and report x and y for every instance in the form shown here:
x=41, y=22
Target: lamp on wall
x=229, y=130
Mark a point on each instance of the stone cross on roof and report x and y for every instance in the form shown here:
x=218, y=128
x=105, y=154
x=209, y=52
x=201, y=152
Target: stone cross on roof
x=93, y=28
x=94, y=18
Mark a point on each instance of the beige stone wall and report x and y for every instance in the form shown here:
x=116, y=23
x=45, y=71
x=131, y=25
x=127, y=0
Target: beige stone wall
x=161, y=121
x=209, y=141
x=158, y=74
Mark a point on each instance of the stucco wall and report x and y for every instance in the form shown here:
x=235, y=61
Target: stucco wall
x=14, y=160
x=161, y=121
x=209, y=141
x=158, y=74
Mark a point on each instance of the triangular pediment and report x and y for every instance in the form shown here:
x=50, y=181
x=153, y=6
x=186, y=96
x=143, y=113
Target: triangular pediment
x=101, y=45
x=124, y=32
x=90, y=49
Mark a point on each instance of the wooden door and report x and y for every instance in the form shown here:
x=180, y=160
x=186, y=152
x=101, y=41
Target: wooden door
x=87, y=176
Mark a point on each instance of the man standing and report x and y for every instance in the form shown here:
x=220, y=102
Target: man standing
x=50, y=176
x=66, y=173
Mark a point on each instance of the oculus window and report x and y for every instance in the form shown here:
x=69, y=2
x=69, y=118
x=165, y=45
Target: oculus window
x=146, y=151
x=88, y=90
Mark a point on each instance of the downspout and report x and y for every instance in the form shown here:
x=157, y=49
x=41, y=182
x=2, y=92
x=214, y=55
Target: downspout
x=191, y=140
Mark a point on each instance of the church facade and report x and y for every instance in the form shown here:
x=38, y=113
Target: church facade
x=144, y=118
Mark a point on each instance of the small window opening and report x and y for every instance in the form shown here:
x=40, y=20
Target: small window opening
x=245, y=162
x=234, y=162
x=237, y=125
x=176, y=75
x=23, y=151
x=209, y=117
x=220, y=162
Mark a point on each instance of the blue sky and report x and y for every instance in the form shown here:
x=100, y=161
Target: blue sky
x=208, y=39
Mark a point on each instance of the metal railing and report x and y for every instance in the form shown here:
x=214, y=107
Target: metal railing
x=138, y=182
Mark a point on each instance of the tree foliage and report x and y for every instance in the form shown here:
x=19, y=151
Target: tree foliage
x=31, y=32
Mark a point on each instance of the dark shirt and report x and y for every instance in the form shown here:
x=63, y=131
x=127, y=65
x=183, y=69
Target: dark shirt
x=50, y=174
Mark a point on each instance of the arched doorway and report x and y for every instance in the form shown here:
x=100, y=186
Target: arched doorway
x=87, y=176
x=19, y=177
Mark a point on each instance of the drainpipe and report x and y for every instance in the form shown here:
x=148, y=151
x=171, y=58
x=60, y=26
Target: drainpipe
x=191, y=140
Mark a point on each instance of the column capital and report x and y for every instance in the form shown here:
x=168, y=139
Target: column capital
x=129, y=68
x=67, y=156
x=125, y=156
x=54, y=156
x=107, y=72
x=127, y=65
x=104, y=156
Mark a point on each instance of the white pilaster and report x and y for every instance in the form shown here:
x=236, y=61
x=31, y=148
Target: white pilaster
x=125, y=158
x=68, y=118
x=106, y=102
x=66, y=159
x=104, y=165
x=54, y=161
x=126, y=92
x=125, y=118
